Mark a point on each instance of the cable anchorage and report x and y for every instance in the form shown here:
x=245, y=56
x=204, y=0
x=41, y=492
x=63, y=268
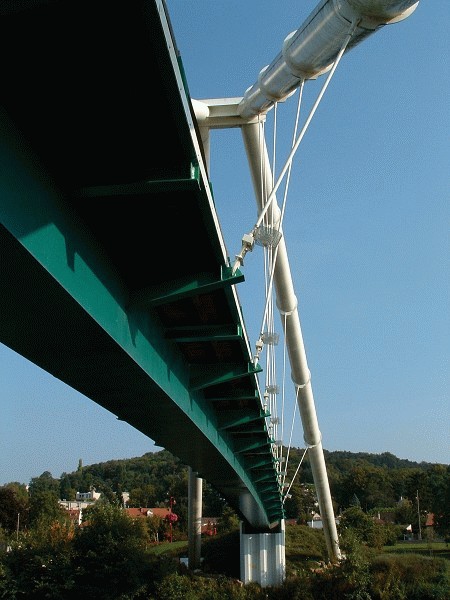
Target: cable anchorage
x=248, y=242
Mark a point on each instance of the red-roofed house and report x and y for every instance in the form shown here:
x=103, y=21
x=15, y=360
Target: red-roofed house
x=148, y=512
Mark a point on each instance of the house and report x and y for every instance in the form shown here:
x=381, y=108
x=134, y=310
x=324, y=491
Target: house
x=316, y=521
x=90, y=496
x=147, y=512
x=75, y=515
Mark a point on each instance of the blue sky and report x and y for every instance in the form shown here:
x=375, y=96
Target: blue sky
x=366, y=228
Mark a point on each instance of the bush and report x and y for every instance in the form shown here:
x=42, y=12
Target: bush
x=410, y=576
x=188, y=587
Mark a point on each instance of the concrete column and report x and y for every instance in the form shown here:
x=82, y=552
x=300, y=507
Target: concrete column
x=194, y=520
x=263, y=557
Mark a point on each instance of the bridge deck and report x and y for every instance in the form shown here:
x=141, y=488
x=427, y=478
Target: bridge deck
x=114, y=275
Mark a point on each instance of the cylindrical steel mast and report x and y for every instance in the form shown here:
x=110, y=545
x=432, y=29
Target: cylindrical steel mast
x=311, y=50
x=287, y=305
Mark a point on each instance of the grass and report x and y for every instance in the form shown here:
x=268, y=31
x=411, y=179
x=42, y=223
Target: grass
x=422, y=548
x=305, y=550
x=436, y=549
x=170, y=548
x=399, y=566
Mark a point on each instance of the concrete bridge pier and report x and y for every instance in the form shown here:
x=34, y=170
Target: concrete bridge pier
x=194, y=520
x=263, y=556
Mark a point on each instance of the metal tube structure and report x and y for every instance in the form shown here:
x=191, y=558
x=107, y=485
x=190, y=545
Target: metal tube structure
x=194, y=520
x=311, y=50
x=287, y=305
x=307, y=53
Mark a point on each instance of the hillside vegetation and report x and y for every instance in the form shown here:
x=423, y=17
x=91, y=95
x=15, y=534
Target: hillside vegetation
x=117, y=557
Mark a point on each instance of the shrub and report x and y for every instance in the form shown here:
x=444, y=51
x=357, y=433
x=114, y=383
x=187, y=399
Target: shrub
x=187, y=587
x=411, y=577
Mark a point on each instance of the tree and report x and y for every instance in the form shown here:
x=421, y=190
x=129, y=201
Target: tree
x=405, y=512
x=229, y=521
x=370, y=484
x=144, y=496
x=14, y=506
x=112, y=539
x=213, y=502
x=45, y=509
x=44, y=483
x=441, y=509
x=363, y=527
x=67, y=487
x=301, y=502
x=39, y=564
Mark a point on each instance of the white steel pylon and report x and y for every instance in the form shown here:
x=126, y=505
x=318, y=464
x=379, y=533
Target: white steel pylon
x=332, y=28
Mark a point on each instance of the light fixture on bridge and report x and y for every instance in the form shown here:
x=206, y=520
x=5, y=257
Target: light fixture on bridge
x=270, y=338
x=266, y=236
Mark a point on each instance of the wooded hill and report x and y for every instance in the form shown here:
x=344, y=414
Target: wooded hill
x=373, y=481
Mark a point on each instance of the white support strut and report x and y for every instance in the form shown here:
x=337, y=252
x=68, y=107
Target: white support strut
x=287, y=305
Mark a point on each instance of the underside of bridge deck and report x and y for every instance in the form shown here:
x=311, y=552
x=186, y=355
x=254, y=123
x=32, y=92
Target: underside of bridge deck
x=113, y=271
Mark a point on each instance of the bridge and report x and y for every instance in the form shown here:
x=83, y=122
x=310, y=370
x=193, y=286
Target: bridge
x=104, y=186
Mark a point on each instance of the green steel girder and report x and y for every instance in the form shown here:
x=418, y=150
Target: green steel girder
x=266, y=488
x=174, y=290
x=232, y=419
x=143, y=187
x=271, y=498
x=235, y=397
x=276, y=515
x=273, y=504
x=269, y=486
x=88, y=291
x=205, y=376
x=248, y=430
x=260, y=463
x=244, y=447
x=203, y=333
x=269, y=475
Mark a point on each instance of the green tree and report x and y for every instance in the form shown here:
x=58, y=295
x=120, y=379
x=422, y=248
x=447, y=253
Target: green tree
x=156, y=528
x=301, y=502
x=144, y=496
x=439, y=485
x=44, y=483
x=229, y=521
x=441, y=510
x=110, y=539
x=370, y=484
x=213, y=503
x=353, y=576
x=362, y=526
x=39, y=565
x=14, y=507
x=67, y=487
x=45, y=509
x=404, y=512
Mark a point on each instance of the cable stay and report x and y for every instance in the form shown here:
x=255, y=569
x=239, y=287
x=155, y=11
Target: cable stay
x=269, y=338
x=286, y=494
x=267, y=232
